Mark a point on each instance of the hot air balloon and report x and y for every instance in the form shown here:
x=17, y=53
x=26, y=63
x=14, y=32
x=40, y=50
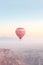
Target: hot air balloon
x=20, y=32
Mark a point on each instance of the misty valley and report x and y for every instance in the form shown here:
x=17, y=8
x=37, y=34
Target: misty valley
x=32, y=57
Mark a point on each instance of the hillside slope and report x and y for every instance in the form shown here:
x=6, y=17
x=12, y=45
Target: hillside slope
x=8, y=57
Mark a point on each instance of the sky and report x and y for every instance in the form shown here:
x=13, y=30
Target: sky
x=22, y=13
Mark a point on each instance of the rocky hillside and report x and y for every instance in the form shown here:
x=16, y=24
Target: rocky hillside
x=8, y=57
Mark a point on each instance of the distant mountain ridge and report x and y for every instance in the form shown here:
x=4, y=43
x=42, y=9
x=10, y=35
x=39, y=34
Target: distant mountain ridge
x=32, y=56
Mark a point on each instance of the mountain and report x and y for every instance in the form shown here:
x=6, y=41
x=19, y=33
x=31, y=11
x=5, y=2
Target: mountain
x=8, y=57
x=32, y=57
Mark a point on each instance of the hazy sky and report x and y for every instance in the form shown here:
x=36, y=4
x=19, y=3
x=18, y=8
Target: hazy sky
x=22, y=13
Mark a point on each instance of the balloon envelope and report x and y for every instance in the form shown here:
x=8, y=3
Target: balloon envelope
x=20, y=32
